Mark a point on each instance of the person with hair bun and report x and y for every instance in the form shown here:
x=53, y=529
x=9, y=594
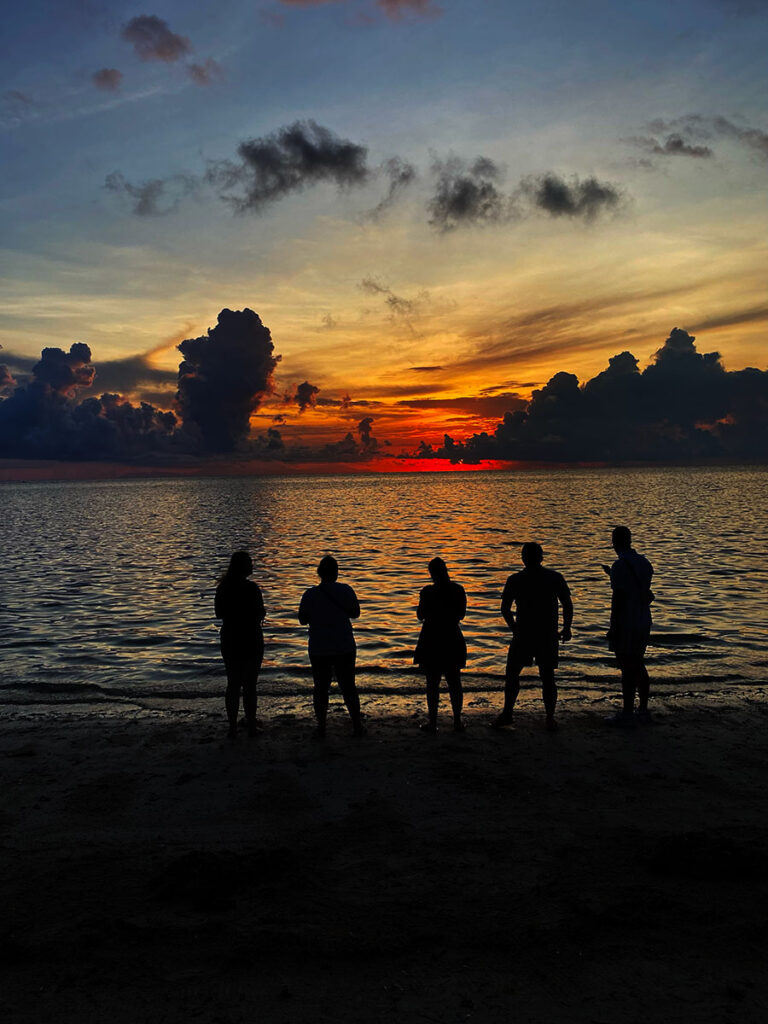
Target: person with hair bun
x=441, y=650
x=240, y=606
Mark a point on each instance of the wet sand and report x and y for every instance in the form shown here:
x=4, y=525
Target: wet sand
x=153, y=871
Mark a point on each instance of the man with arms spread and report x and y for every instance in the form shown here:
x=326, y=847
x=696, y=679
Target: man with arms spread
x=631, y=599
x=535, y=592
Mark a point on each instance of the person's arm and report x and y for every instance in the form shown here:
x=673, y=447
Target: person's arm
x=261, y=611
x=421, y=611
x=353, y=609
x=506, y=604
x=304, y=608
x=567, y=603
x=218, y=610
x=461, y=603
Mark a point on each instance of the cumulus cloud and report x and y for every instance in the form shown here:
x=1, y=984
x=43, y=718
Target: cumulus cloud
x=578, y=198
x=46, y=418
x=223, y=378
x=289, y=160
x=107, y=79
x=205, y=73
x=684, y=406
x=152, y=39
x=152, y=198
x=305, y=395
x=467, y=194
x=368, y=442
x=672, y=145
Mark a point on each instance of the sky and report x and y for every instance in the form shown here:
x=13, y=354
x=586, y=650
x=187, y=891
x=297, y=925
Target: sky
x=439, y=229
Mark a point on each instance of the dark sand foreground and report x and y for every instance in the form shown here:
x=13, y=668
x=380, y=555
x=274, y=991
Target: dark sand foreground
x=152, y=871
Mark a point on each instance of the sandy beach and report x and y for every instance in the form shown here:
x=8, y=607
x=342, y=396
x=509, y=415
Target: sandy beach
x=153, y=871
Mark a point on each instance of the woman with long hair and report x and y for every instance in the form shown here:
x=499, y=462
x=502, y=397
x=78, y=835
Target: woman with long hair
x=240, y=606
x=441, y=650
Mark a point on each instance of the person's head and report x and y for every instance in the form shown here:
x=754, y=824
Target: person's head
x=621, y=538
x=438, y=570
x=532, y=554
x=240, y=565
x=328, y=569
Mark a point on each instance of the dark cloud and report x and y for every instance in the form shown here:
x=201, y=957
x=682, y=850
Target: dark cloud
x=400, y=174
x=152, y=198
x=108, y=79
x=673, y=145
x=46, y=418
x=367, y=441
x=206, y=73
x=289, y=160
x=709, y=127
x=424, y=369
x=223, y=378
x=305, y=395
x=467, y=194
x=280, y=418
x=152, y=39
x=64, y=372
x=269, y=444
x=583, y=199
x=220, y=382
x=684, y=406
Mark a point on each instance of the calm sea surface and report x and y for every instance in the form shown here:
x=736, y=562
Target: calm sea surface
x=106, y=588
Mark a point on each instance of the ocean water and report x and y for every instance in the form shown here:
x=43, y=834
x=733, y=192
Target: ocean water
x=106, y=588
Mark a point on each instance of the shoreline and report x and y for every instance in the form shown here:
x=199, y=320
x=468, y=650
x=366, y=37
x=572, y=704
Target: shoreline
x=151, y=870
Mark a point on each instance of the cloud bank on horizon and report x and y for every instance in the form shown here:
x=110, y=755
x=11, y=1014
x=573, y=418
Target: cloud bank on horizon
x=683, y=406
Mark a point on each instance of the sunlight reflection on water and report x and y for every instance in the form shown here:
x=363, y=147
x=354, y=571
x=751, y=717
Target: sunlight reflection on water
x=108, y=586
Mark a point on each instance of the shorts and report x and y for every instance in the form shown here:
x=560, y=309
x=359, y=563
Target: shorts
x=524, y=651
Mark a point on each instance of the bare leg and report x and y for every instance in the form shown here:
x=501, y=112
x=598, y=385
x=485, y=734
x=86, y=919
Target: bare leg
x=643, y=688
x=628, y=687
x=232, y=695
x=549, y=693
x=345, y=674
x=433, y=699
x=453, y=679
x=322, y=672
x=511, y=690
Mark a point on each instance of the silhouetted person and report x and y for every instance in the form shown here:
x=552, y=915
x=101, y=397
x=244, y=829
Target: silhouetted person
x=327, y=609
x=535, y=592
x=240, y=606
x=631, y=599
x=441, y=650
